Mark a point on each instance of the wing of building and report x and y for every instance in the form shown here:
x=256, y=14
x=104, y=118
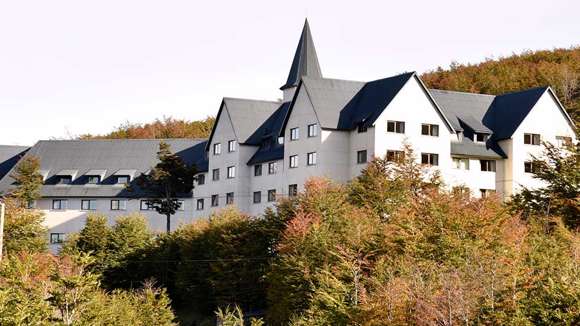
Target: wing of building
x=261, y=150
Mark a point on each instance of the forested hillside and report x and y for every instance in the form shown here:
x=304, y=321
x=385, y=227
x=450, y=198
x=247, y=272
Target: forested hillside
x=559, y=68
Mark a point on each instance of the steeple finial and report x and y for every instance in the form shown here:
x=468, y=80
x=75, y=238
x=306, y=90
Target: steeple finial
x=305, y=61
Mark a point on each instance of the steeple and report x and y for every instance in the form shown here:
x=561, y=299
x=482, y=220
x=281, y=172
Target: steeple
x=305, y=61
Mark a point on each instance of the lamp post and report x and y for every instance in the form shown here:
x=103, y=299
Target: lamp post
x=2, y=210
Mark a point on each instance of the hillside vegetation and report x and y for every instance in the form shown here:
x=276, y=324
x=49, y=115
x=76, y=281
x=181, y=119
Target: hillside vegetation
x=558, y=68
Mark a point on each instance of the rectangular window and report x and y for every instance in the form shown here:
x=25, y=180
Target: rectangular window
x=59, y=204
x=311, y=158
x=294, y=133
x=563, y=141
x=199, y=205
x=231, y=172
x=93, y=180
x=200, y=179
x=231, y=146
x=272, y=168
x=64, y=180
x=145, y=206
x=118, y=205
x=229, y=198
x=272, y=195
x=57, y=238
x=486, y=192
x=293, y=190
x=487, y=165
x=430, y=159
x=294, y=161
x=280, y=140
x=257, y=170
x=461, y=163
x=481, y=138
x=215, y=174
x=215, y=200
x=430, y=130
x=395, y=156
x=532, y=139
x=362, y=128
x=88, y=204
x=396, y=127
x=123, y=180
x=531, y=167
x=31, y=204
x=217, y=149
x=181, y=205
x=312, y=130
x=257, y=197
x=361, y=157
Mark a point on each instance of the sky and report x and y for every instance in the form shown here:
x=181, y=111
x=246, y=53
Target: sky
x=76, y=67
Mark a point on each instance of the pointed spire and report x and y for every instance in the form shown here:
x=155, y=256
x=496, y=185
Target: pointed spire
x=305, y=61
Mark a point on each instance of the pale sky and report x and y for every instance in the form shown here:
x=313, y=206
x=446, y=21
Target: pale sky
x=74, y=67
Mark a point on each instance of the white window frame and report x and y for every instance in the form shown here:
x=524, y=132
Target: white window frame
x=532, y=139
x=295, y=133
x=231, y=146
x=293, y=161
x=199, y=205
x=432, y=159
x=292, y=190
x=217, y=149
x=272, y=167
x=121, y=205
x=91, y=180
x=92, y=205
x=460, y=163
x=123, y=177
x=62, y=204
x=311, y=159
x=312, y=130
x=231, y=172
x=257, y=170
x=432, y=129
x=395, y=127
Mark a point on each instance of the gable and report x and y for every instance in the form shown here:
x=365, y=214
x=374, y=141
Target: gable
x=547, y=108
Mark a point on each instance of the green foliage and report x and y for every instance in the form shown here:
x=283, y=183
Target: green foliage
x=160, y=129
x=558, y=68
x=235, y=317
x=560, y=172
x=23, y=229
x=28, y=180
x=170, y=178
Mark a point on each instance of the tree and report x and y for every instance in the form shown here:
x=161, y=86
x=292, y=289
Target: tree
x=23, y=229
x=168, y=180
x=28, y=180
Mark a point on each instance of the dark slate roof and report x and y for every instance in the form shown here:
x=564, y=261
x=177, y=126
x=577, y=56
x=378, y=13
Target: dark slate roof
x=468, y=148
x=271, y=128
x=268, y=152
x=508, y=111
x=9, y=156
x=368, y=104
x=305, y=62
x=84, y=156
x=464, y=109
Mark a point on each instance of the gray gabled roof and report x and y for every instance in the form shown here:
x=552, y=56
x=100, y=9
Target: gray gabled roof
x=464, y=108
x=470, y=149
x=9, y=156
x=85, y=156
x=305, y=62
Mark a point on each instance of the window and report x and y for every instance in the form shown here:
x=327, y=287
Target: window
x=56, y=238
x=145, y=206
x=531, y=167
x=231, y=146
x=181, y=205
x=93, y=180
x=481, y=138
x=486, y=192
x=199, y=205
x=487, y=165
x=215, y=200
x=118, y=205
x=257, y=197
x=461, y=190
x=272, y=195
x=272, y=168
x=257, y=170
x=231, y=172
x=123, y=180
x=229, y=198
x=430, y=130
x=280, y=140
x=532, y=139
x=200, y=179
x=59, y=204
x=31, y=204
x=294, y=161
x=88, y=204
x=395, y=156
x=312, y=130
x=361, y=157
x=217, y=149
x=293, y=190
x=563, y=141
x=215, y=174
x=396, y=127
x=311, y=158
x=362, y=128
x=294, y=134
x=64, y=180
x=461, y=163
x=430, y=159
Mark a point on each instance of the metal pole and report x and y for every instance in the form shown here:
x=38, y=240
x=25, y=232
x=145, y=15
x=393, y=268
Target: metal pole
x=2, y=210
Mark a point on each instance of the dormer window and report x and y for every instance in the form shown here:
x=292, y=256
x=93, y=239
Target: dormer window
x=280, y=140
x=64, y=180
x=93, y=179
x=122, y=180
x=481, y=138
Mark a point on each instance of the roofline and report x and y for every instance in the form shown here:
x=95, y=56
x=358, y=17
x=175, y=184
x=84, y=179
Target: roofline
x=568, y=117
x=213, y=128
x=460, y=92
x=289, y=111
x=116, y=139
x=432, y=100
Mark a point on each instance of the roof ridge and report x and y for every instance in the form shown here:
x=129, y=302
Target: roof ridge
x=460, y=92
x=116, y=140
x=544, y=88
x=338, y=79
x=249, y=99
